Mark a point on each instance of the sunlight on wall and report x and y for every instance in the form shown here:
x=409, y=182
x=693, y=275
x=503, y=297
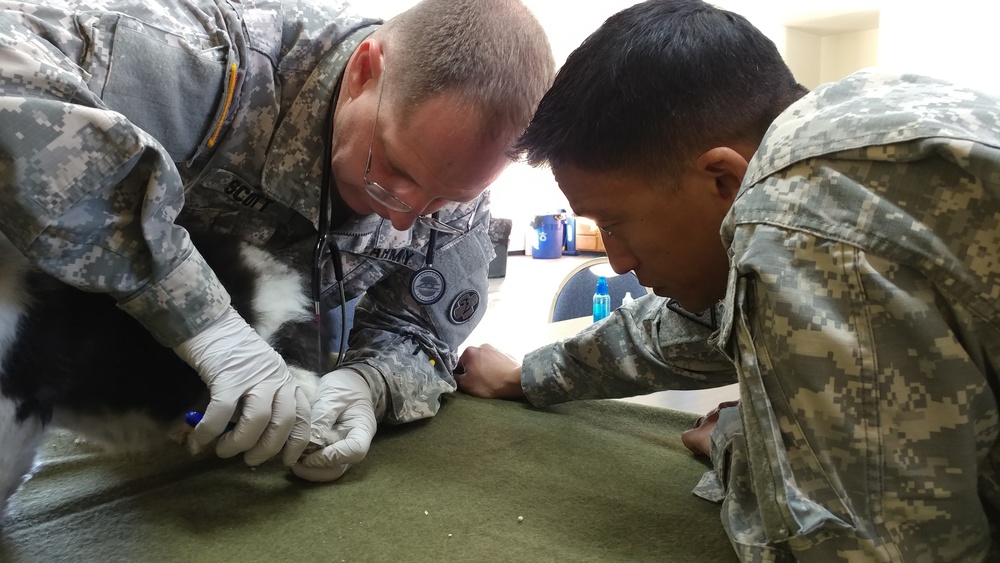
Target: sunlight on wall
x=957, y=43
x=953, y=42
x=522, y=192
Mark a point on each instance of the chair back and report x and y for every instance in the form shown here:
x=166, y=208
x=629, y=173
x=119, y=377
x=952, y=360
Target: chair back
x=575, y=296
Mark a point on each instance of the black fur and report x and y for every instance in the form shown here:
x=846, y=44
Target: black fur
x=79, y=351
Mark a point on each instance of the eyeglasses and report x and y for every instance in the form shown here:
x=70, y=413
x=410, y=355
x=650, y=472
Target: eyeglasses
x=385, y=197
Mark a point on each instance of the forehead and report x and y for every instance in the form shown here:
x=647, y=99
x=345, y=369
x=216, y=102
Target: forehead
x=442, y=147
x=598, y=194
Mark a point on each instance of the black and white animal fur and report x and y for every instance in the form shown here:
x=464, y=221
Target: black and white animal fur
x=72, y=360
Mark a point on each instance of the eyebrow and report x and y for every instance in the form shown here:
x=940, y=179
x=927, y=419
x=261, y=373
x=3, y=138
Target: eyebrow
x=396, y=170
x=406, y=176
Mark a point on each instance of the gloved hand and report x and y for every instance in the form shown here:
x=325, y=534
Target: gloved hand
x=343, y=424
x=240, y=367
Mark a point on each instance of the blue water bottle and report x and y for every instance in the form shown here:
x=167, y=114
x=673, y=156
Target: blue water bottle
x=602, y=301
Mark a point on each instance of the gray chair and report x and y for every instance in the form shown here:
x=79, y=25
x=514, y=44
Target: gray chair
x=499, y=231
x=575, y=296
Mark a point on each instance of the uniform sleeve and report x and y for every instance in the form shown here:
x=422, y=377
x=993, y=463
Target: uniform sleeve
x=865, y=407
x=91, y=199
x=863, y=325
x=406, y=351
x=639, y=349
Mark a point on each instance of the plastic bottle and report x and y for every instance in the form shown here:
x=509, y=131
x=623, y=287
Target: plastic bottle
x=602, y=301
x=569, y=233
x=627, y=299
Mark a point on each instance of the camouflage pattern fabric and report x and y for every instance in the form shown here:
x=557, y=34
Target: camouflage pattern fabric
x=122, y=121
x=862, y=320
x=639, y=348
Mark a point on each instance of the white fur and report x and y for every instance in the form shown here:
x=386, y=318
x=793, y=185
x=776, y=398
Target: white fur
x=279, y=297
x=13, y=296
x=115, y=433
x=18, y=443
x=18, y=440
x=307, y=381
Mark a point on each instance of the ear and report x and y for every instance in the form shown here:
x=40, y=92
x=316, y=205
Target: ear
x=364, y=69
x=727, y=167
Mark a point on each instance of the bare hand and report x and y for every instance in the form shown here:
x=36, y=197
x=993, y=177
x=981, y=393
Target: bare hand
x=699, y=438
x=486, y=372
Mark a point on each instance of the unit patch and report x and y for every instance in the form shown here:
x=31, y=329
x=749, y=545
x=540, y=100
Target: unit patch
x=464, y=307
x=427, y=286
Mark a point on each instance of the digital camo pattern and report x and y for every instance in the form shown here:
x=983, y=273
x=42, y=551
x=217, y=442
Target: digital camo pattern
x=862, y=319
x=95, y=178
x=728, y=428
x=405, y=350
x=864, y=323
x=639, y=348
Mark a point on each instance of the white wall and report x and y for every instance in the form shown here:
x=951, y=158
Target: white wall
x=955, y=41
x=522, y=192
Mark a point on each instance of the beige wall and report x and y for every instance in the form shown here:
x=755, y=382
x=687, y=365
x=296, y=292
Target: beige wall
x=955, y=40
x=843, y=53
x=803, y=52
x=816, y=59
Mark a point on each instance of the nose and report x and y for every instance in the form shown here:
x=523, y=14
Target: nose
x=620, y=257
x=401, y=220
x=419, y=202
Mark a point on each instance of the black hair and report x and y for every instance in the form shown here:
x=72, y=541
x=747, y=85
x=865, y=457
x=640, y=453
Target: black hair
x=658, y=83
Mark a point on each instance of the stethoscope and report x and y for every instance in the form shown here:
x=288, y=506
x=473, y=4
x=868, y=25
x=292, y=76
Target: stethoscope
x=427, y=285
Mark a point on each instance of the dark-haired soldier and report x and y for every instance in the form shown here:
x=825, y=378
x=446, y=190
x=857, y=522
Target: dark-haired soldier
x=853, y=290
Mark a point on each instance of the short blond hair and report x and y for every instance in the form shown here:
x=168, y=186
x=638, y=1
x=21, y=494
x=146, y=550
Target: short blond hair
x=492, y=54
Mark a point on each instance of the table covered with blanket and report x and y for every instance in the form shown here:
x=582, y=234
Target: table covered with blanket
x=482, y=481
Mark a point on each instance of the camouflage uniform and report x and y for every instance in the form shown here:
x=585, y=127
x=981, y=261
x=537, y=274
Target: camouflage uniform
x=121, y=120
x=862, y=320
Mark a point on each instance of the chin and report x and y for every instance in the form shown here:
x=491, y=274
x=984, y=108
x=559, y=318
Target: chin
x=355, y=198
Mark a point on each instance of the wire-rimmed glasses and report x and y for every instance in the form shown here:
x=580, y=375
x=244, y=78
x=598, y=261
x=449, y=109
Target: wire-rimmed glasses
x=385, y=197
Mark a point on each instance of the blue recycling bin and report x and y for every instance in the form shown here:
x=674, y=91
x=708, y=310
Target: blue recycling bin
x=569, y=235
x=548, y=241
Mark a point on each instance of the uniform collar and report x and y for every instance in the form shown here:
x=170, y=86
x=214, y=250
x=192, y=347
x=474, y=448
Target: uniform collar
x=867, y=108
x=294, y=166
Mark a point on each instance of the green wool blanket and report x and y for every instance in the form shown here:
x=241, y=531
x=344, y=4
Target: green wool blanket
x=482, y=481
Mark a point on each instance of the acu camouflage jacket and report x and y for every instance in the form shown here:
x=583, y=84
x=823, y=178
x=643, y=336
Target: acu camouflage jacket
x=121, y=120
